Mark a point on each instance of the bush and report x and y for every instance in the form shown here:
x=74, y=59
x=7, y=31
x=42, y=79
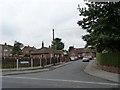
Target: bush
x=109, y=59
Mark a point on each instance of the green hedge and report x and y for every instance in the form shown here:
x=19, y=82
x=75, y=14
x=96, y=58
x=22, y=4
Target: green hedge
x=109, y=59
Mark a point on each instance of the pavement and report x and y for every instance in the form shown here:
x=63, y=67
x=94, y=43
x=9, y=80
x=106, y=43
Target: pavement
x=94, y=70
x=31, y=69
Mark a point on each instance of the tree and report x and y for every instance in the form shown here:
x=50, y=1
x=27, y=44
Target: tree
x=17, y=48
x=102, y=22
x=57, y=44
x=71, y=48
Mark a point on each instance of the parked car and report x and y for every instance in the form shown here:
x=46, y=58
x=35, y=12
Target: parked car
x=76, y=58
x=72, y=58
x=90, y=57
x=85, y=59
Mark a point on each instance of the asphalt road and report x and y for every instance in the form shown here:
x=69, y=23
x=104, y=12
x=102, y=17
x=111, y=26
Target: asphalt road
x=69, y=76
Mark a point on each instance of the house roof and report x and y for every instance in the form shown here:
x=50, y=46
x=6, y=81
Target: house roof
x=46, y=50
x=81, y=50
x=6, y=46
x=58, y=52
x=88, y=50
x=28, y=48
x=43, y=50
x=78, y=50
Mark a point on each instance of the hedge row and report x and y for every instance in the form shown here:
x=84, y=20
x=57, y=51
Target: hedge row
x=109, y=59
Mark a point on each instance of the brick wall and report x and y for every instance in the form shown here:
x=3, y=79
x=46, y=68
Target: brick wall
x=110, y=68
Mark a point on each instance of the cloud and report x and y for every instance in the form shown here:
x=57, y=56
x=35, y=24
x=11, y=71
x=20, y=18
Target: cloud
x=32, y=21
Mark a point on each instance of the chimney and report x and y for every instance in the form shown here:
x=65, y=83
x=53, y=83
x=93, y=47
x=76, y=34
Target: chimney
x=42, y=44
x=5, y=43
x=49, y=46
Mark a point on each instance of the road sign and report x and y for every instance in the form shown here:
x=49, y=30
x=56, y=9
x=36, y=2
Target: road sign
x=24, y=62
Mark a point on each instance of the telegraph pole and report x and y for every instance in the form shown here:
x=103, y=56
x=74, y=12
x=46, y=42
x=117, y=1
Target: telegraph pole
x=53, y=34
x=54, y=49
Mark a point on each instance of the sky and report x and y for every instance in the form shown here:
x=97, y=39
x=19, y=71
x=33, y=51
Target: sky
x=31, y=22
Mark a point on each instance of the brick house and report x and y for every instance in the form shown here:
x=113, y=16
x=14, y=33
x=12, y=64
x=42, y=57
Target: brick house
x=89, y=52
x=27, y=50
x=5, y=50
x=47, y=53
x=77, y=52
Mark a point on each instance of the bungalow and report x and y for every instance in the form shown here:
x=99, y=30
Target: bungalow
x=47, y=53
x=81, y=52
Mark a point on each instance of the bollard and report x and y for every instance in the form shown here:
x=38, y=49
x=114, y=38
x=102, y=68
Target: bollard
x=17, y=64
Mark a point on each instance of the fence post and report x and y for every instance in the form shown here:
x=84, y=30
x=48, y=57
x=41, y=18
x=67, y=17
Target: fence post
x=31, y=63
x=57, y=60
x=17, y=64
x=50, y=60
x=46, y=61
x=40, y=62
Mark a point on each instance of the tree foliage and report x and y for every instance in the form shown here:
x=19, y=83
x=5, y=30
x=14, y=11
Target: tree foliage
x=17, y=48
x=71, y=48
x=57, y=44
x=102, y=22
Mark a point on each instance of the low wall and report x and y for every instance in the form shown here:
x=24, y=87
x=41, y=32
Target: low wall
x=110, y=68
x=11, y=62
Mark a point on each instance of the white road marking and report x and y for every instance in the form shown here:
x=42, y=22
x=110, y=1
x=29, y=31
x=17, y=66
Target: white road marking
x=74, y=81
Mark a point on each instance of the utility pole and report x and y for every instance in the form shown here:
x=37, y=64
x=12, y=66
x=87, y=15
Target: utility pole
x=53, y=34
x=54, y=49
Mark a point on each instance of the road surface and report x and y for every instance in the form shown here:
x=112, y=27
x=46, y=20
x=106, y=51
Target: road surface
x=69, y=76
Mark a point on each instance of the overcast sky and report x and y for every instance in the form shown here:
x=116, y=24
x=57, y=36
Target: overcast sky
x=31, y=22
